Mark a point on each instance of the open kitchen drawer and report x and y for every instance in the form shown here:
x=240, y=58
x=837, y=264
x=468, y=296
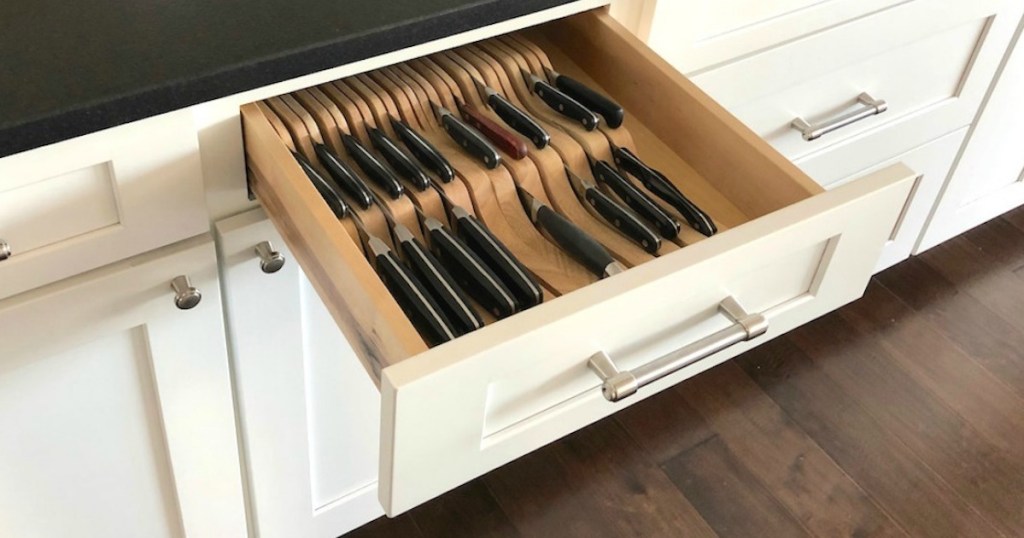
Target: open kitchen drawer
x=790, y=253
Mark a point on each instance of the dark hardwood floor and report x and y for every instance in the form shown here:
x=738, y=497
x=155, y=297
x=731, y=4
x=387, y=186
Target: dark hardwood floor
x=900, y=414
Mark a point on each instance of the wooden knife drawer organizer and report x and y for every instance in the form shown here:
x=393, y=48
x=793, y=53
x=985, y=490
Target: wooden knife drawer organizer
x=786, y=252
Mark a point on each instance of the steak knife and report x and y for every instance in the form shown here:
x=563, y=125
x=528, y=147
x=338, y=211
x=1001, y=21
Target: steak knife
x=372, y=167
x=617, y=216
x=657, y=183
x=467, y=137
x=560, y=102
x=515, y=118
x=612, y=113
x=344, y=176
x=424, y=151
x=636, y=199
x=398, y=160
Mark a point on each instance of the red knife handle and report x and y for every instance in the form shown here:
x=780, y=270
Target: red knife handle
x=498, y=135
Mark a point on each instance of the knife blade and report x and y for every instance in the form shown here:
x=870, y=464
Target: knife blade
x=372, y=167
x=569, y=237
x=658, y=184
x=467, y=137
x=515, y=118
x=498, y=135
x=344, y=176
x=327, y=192
x=398, y=159
x=648, y=209
x=611, y=111
x=618, y=217
x=470, y=271
x=424, y=151
x=560, y=102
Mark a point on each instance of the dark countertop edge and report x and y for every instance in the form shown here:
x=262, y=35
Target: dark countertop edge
x=148, y=102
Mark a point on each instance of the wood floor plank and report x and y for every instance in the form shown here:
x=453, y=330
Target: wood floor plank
x=1015, y=217
x=469, y=510
x=977, y=330
x=989, y=405
x=1001, y=240
x=908, y=490
x=797, y=472
x=384, y=527
x=727, y=495
x=664, y=425
x=597, y=482
x=980, y=472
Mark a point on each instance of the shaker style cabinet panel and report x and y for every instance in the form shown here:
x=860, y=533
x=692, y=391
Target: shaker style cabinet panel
x=309, y=414
x=115, y=405
x=989, y=177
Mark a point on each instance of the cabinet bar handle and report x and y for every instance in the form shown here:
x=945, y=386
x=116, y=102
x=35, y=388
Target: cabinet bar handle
x=620, y=384
x=872, y=107
x=186, y=296
x=5, y=250
x=271, y=261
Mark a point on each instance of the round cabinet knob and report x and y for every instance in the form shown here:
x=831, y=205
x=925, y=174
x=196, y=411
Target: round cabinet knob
x=271, y=261
x=185, y=295
x=5, y=250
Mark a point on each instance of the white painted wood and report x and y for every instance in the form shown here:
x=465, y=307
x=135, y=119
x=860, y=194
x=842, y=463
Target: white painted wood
x=463, y=408
x=696, y=35
x=220, y=129
x=989, y=176
x=635, y=15
x=931, y=60
x=77, y=205
x=115, y=407
x=931, y=161
x=310, y=416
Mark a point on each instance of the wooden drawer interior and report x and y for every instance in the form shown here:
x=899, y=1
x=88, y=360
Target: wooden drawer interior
x=709, y=155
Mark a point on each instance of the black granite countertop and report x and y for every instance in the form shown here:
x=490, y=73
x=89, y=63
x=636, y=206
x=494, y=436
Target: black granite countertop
x=70, y=68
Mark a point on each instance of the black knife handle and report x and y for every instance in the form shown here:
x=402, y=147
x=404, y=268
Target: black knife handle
x=625, y=222
x=611, y=111
x=453, y=301
x=664, y=189
x=574, y=241
x=519, y=120
x=517, y=278
x=565, y=105
x=398, y=159
x=648, y=209
x=344, y=176
x=372, y=167
x=424, y=151
x=470, y=140
x=327, y=192
x=412, y=297
x=471, y=272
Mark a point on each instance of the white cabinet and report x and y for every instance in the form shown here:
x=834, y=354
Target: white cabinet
x=310, y=415
x=116, y=414
x=989, y=177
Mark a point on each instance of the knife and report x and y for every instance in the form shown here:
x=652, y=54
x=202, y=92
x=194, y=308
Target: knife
x=467, y=137
x=498, y=135
x=344, y=176
x=573, y=240
x=657, y=183
x=515, y=118
x=398, y=159
x=496, y=255
x=611, y=111
x=560, y=102
x=327, y=192
x=424, y=151
x=372, y=167
x=636, y=199
x=622, y=220
x=470, y=271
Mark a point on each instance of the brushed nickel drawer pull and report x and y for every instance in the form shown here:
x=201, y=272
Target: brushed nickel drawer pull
x=186, y=296
x=271, y=261
x=872, y=107
x=620, y=384
x=5, y=250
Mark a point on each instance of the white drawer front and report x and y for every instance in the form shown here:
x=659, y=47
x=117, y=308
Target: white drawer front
x=930, y=60
x=93, y=200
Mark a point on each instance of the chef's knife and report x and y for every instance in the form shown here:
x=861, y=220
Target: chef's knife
x=398, y=159
x=560, y=102
x=470, y=271
x=372, y=167
x=498, y=135
x=467, y=137
x=648, y=209
x=621, y=219
x=424, y=151
x=658, y=184
x=515, y=118
x=344, y=176
x=612, y=113
x=573, y=240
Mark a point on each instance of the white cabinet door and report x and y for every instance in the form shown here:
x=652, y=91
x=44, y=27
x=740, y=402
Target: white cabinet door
x=116, y=414
x=989, y=177
x=310, y=414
